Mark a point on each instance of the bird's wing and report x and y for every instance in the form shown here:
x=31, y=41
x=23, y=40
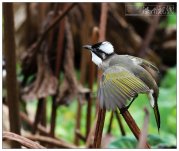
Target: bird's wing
x=143, y=62
x=118, y=85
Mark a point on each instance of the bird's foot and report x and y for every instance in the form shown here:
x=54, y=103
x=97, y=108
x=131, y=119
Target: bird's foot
x=124, y=109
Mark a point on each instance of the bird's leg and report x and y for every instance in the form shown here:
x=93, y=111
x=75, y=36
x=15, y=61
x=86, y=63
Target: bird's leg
x=122, y=110
x=132, y=101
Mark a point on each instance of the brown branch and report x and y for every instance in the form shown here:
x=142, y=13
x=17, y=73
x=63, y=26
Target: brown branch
x=88, y=20
x=35, y=46
x=54, y=23
x=110, y=123
x=103, y=21
x=41, y=128
x=57, y=20
x=101, y=112
x=59, y=52
x=21, y=140
x=79, y=135
x=43, y=120
x=132, y=125
x=53, y=116
x=92, y=69
x=51, y=141
x=88, y=113
x=78, y=119
x=99, y=128
x=120, y=123
x=90, y=138
x=11, y=79
x=38, y=115
x=59, y=49
x=143, y=136
x=28, y=27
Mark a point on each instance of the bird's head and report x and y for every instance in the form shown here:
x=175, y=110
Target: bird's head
x=100, y=51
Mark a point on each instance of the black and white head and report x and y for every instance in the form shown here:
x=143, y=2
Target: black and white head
x=100, y=51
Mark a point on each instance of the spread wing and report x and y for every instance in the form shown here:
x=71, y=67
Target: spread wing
x=117, y=86
x=143, y=62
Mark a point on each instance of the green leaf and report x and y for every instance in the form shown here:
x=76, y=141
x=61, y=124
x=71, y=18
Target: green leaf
x=159, y=142
x=155, y=141
x=124, y=142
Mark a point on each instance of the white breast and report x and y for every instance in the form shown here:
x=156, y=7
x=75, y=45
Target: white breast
x=96, y=59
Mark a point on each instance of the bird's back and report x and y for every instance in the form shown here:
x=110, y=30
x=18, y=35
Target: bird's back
x=137, y=70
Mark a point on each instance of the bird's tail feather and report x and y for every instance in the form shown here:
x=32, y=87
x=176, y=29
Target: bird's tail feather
x=157, y=116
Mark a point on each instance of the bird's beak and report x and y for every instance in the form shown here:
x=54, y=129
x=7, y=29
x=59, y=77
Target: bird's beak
x=87, y=47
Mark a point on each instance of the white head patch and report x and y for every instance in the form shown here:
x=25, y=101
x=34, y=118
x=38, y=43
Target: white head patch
x=96, y=59
x=107, y=47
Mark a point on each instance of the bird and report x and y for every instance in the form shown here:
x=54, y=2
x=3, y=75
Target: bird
x=123, y=78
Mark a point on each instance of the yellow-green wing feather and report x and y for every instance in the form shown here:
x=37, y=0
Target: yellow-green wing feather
x=117, y=86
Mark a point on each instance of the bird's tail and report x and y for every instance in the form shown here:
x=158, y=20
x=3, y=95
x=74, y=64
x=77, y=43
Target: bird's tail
x=157, y=115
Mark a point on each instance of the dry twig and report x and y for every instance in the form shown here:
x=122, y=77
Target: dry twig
x=120, y=124
x=51, y=141
x=143, y=135
x=53, y=24
x=11, y=79
x=21, y=140
x=41, y=128
x=99, y=128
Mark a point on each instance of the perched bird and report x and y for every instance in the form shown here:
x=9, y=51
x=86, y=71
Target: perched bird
x=124, y=77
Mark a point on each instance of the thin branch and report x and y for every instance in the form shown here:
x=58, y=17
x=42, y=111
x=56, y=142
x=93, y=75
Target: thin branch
x=83, y=68
x=99, y=128
x=103, y=21
x=110, y=123
x=11, y=78
x=90, y=138
x=28, y=27
x=41, y=128
x=78, y=126
x=37, y=44
x=54, y=23
x=101, y=112
x=120, y=124
x=79, y=135
x=59, y=52
x=132, y=125
x=143, y=136
x=51, y=141
x=43, y=120
x=38, y=115
x=21, y=140
x=92, y=70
